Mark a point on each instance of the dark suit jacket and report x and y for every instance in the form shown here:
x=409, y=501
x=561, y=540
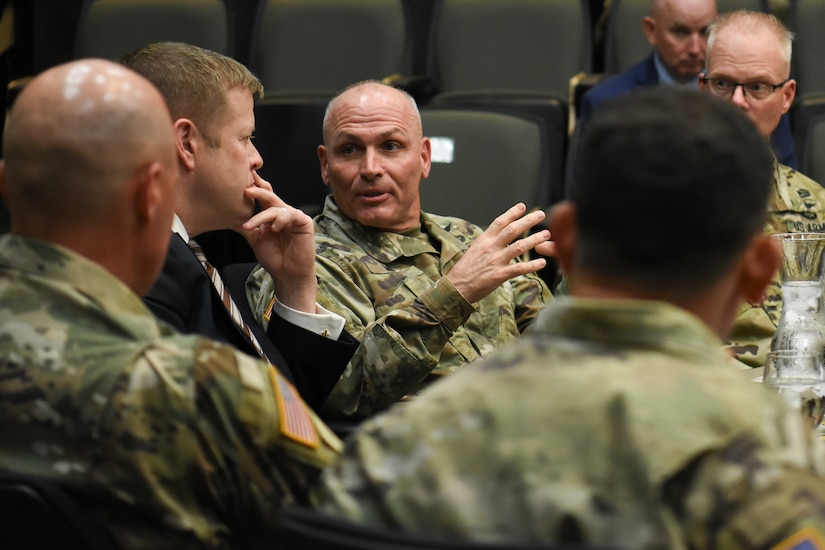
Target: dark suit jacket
x=643, y=75
x=184, y=297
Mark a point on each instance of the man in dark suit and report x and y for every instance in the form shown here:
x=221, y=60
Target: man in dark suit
x=677, y=30
x=211, y=99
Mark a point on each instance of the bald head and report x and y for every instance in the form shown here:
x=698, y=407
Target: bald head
x=659, y=8
x=90, y=164
x=75, y=136
x=678, y=31
x=369, y=92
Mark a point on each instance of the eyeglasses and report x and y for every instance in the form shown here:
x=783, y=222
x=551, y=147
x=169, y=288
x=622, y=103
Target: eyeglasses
x=756, y=90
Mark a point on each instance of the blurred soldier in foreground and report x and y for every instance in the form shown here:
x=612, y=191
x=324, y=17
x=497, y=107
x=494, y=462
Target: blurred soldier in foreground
x=617, y=420
x=172, y=441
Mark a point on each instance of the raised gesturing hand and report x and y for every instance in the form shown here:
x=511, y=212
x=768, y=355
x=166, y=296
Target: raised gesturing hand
x=488, y=261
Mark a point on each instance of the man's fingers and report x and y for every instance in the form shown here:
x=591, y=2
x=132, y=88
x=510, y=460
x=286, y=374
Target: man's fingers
x=547, y=248
x=512, y=224
x=264, y=195
x=524, y=224
x=531, y=266
x=519, y=247
x=275, y=218
x=513, y=213
x=260, y=182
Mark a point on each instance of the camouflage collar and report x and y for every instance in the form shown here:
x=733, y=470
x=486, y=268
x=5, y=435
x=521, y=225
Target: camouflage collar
x=59, y=266
x=644, y=324
x=387, y=247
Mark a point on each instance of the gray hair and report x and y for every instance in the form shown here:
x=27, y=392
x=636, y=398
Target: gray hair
x=751, y=20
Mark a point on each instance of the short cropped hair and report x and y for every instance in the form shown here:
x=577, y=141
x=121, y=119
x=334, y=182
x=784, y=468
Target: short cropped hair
x=193, y=81
x=671, y=185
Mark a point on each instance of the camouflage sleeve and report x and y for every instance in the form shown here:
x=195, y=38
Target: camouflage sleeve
x=229, y=427
x=752, y=494
x=531, y=295
x=754, y=326
x=399, y=349
x=259, y=294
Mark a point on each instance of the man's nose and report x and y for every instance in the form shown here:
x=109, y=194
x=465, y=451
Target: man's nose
x=371, y=165
x=255, y=157
x=738, y=96
x=695, y=43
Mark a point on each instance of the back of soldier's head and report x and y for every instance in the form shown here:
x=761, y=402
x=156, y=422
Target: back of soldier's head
x=671, y=185
x=74, y=138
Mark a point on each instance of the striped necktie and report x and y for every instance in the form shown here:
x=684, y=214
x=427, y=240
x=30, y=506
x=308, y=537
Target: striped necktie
x=226, y=298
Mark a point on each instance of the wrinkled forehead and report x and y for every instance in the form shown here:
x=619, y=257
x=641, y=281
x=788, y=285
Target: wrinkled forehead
x=747, y=50
x=372, y=109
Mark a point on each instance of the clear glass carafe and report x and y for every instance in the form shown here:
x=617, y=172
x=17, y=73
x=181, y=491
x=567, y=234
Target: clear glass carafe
x=802, y=323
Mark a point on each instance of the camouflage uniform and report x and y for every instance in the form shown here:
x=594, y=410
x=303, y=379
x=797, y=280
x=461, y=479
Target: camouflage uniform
x=413, y=325
x=797, y=205
x=614, y=422
x=173, y=441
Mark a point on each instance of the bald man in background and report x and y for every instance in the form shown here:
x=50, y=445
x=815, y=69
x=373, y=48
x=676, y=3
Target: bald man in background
x=172, y=441
x=677, y=31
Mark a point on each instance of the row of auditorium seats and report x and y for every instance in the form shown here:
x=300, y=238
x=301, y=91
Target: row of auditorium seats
x=474, y=65
x=39, y=514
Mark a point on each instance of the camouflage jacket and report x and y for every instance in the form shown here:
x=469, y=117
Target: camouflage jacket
x=173, y=441
x=412, y=323
x=619, y=423
x=797, y=205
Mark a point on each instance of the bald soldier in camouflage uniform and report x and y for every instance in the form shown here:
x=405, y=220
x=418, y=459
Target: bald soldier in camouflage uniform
x=756, y=48
x=616, y=420
x=424, y=294
x=172, y=441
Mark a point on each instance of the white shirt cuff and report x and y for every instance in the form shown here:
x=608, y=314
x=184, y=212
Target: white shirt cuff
x=324, y=323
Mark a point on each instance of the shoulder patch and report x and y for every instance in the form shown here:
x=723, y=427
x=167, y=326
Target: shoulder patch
x=804, y=539
x=294, y=419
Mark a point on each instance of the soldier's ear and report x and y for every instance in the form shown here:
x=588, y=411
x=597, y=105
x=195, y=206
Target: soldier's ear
x=563, y=227
x=3, y=195
x=649, y=28
x=324, y=162
x=426, y=157
x=758, y=267
x=187, y=142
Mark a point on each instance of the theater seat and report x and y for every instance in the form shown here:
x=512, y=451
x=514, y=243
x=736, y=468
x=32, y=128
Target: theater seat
x=38, y=514
x=301, y=528
x=805, y=20
x=483, y=162
x=316, y=47
x=113, y=28
x=808, y=120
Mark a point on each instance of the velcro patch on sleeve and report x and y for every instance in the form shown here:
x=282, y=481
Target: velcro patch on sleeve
x=808, y=538
x=294, y=418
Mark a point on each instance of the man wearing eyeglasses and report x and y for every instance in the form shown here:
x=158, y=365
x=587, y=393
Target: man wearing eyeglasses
x=748, y=64
x=677, y=31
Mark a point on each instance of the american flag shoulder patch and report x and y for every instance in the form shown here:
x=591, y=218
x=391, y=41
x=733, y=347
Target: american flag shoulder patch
x=804, y=539
x=294, y=419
